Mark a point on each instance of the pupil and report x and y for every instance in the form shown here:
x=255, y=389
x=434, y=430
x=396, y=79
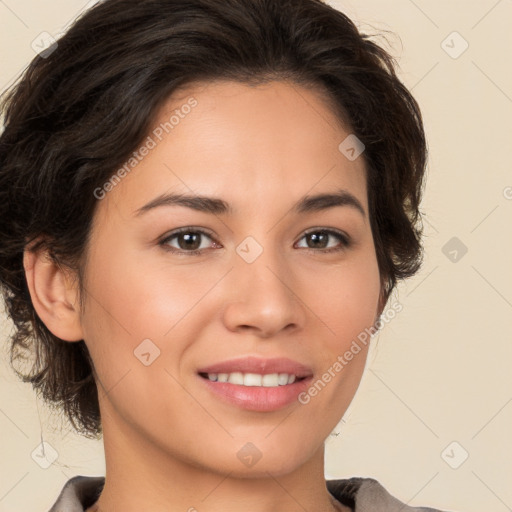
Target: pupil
x=190, y=238
x=316, y=237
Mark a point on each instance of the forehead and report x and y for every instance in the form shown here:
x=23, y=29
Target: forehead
x=243, y=143
x=255, y=113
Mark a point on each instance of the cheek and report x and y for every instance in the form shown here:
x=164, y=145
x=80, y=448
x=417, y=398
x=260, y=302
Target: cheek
x=346, y=300
x=131, y=299
x=134, y=297
x=138, y=296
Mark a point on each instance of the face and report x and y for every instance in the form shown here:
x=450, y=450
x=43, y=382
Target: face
x=259, y=281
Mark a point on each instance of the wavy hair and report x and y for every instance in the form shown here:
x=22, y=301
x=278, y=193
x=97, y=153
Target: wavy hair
x=78, y=112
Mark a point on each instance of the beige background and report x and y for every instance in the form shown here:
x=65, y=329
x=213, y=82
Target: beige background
x=440, y=371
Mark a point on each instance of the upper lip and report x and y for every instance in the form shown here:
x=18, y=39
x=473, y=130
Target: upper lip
x=260, y=366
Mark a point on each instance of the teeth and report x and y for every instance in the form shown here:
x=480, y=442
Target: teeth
x=252, y=379
x=236, y=378
x=270, y=380
x=282, y=379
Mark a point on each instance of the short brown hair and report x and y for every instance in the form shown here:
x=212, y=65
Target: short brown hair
x=79, y=111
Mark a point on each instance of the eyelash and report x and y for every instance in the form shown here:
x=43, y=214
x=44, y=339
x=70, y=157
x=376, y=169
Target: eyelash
x=343, y=238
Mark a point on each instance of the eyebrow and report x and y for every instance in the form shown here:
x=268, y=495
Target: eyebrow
x=217, y=206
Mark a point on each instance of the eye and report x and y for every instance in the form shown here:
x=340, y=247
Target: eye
x=319, y=238
x=188, y=240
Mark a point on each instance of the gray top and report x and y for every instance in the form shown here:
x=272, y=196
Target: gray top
x=360, y=494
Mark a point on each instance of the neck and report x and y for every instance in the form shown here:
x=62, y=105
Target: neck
x=142, y=476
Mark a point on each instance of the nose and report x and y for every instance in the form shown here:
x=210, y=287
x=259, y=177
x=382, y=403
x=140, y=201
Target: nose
x=262, y=298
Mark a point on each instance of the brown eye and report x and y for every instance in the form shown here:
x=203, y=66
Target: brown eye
x=188, y=241
x=320, y=239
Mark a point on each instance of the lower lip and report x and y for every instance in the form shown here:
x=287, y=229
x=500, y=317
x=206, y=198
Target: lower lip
x=257, y=398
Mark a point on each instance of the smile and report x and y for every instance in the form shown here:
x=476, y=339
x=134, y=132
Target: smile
x=270, y=380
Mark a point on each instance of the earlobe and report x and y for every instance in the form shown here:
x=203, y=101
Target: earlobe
x=54, y=295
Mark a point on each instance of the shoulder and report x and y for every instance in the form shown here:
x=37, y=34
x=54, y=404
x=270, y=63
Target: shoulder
x=360, y=494
x=78, y=494
x=368, y=495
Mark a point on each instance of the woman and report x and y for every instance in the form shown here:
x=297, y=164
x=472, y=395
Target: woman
x=206, y=204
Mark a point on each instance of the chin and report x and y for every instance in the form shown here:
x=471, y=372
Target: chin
x=268, y=457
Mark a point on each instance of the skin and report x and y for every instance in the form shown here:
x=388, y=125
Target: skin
x=260, y=149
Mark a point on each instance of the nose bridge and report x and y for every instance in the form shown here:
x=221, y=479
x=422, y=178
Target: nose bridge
x=262, y=296
x=263, y=267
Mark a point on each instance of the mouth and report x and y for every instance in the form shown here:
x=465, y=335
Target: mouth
x=268, y=380
x=255, y=384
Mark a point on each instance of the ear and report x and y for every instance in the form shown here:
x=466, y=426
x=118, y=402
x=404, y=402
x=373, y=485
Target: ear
x=54, y=295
